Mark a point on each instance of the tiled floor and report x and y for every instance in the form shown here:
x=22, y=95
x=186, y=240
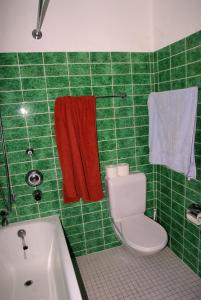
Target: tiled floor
x=117, y=274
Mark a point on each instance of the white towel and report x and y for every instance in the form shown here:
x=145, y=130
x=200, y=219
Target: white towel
x=172, y=124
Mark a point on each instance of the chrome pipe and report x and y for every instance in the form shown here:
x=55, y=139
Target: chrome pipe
x=42, y=8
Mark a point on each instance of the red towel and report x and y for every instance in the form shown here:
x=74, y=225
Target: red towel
x=75, y=128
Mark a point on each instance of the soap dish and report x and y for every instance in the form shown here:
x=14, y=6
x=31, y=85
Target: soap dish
x=192, y=218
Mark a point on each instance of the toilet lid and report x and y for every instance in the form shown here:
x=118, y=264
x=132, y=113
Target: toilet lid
x=143, y=234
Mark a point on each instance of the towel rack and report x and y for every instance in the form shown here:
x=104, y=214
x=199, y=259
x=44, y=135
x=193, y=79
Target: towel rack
x=113, y=96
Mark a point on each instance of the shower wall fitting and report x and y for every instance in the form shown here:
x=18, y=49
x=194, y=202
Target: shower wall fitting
x=32, y=81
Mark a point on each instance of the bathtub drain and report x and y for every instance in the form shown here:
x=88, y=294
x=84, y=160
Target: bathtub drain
x=28, y=283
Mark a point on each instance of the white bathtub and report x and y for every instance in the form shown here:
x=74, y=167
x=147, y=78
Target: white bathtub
x=46, y=273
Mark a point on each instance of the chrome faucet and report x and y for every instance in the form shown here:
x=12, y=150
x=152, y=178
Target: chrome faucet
x=21, y=234
x=4, y=216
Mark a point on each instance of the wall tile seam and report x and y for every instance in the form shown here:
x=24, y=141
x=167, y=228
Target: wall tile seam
x=178, y=53
x=194, y=180
x=76, y=63
x=74, y=87
x=77, y=75
x=47, y=125
x=95, y=247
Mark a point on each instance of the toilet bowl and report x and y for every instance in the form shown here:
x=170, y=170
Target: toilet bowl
x=127, y=199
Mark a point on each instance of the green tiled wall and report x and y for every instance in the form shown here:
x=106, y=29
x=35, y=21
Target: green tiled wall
x=3, y=181
x=29, y=84
x=179, y=66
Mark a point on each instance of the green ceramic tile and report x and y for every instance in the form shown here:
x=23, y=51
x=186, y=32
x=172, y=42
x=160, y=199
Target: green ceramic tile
x=57, y=82
x=194, y=69
x=163, y=53
x=79, y=69
x=100, y=57
x=193, y=40
x=16, y=121
x=140, y=57
x=179, y=84
x=194, y=54
x=78, y=57
x=54, y=57
x=178, y=73
x=49, y=206
x=12, y=134
x=73, y=220
x=76, y=238
x=124, y=122
x=11, y=109
x=105, y=124
x=10, y=97
x=104, y=113
x=33, y=83
x=123, y=112
x=9, y=84
x=102, y=91
x=122, y=79
x=36, y=131
x=178, y=47
x=31, y=71
x=164, y=75
x=190, y=237
x=9, y=72
x=38, y=119
x=100, y=69
x=194, y=81
x=79, y=81
x=141, y=68
x=35, y=95
x=124, y=133
x=30, y=58
x=141, y=78
x=120, y=57
x=123, y=89
x=101, y=103
x=94, y=234
x=191, y=248
x=141, y=110
x=94, y=243
x=121, y=68
x=124, y=153
x=190, y=260
x=28, y=210
x=43, y=164
x=107, y=155
x=164, y=64
x=55, y=93
x=176, y=247
x=8, y=59
x=56, y=70
x=101, y=80
x=166, y=86
x=142, y=89
x=125, y=143
x=83, y=91
x=92, y=217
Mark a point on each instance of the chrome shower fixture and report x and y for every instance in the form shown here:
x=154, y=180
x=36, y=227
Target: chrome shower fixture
x=42, y=8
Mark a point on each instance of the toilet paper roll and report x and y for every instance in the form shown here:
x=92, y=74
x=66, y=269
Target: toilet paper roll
x=111, y=171
x=123, y=169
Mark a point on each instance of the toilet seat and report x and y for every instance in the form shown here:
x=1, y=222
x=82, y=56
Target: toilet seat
x=143, y=234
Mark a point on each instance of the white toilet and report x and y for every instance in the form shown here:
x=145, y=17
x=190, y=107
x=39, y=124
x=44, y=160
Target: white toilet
x=127, y=199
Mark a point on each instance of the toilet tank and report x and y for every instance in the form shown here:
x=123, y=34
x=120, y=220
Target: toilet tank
x=127, y=195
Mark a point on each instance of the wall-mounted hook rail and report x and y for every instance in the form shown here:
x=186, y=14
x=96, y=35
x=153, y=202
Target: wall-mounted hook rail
x=113, y=96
